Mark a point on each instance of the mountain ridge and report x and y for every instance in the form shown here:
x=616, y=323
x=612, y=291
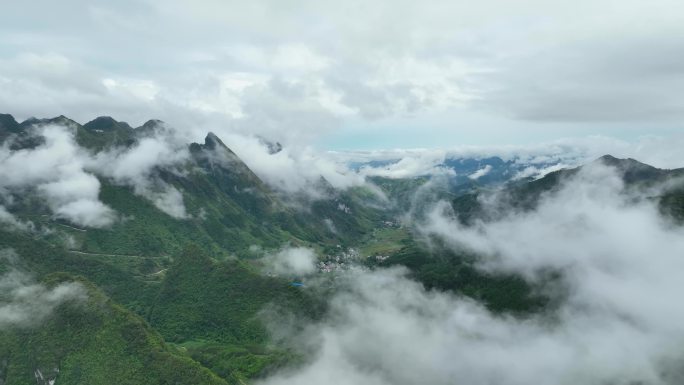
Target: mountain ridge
x=189, y=293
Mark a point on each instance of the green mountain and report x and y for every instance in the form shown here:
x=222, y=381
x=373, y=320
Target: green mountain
x=180, y=275
x=525, y=194
x=230, y=208
x=96, y=342
x=439, y=267
x=8, y=126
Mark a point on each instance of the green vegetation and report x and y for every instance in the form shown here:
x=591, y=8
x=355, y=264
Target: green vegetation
x=384, y=241
x=96, y=342
x=445, y=270
x=203, y=299
x=236, y=363
x=672, y=204
x=212, y=309
x=199, y=297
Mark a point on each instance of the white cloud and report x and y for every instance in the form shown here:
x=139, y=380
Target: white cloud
x=293, y=169
x=285, y=57
x=620, y=265
x=66, y=175
x=85, y=212
x=537, y=173
x=7, y=219
x=170, y=201
x=136, y=167
x=658, y=151
x=25, y=303
x=292, y=261
x=57, y=170
x=408, y=164
x=391, y=60
x=480, y=173
x=139, y=89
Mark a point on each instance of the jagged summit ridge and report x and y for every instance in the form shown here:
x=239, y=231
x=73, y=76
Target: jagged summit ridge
x=106, y=123
x=211, y=141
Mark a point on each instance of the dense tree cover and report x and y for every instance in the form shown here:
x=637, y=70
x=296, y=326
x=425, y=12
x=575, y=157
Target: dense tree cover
x=441, y=269
x=199, y=297
x=96, y=342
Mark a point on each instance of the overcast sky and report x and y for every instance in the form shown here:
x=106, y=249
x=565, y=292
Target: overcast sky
x=353, y=74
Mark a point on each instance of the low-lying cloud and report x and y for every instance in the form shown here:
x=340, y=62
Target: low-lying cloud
x=290, y=261
x=26, y=303
x=616, y=321
x=136, y=167
x=57, y=170
x=296, y=169
x=480, y=173
x=10, y=221
x=536, y=160
x=66, y=175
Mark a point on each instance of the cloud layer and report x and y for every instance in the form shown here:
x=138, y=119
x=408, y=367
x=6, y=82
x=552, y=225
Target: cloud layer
x=292, y=261
x=294, y=73
x=620, y=264
x=56, y=169
x=137, y=167
x=537, y=157
x=292, y=169
x=25, y=303
x=66, y=175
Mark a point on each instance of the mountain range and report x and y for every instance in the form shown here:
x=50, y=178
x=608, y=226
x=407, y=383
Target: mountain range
x=176, y=288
